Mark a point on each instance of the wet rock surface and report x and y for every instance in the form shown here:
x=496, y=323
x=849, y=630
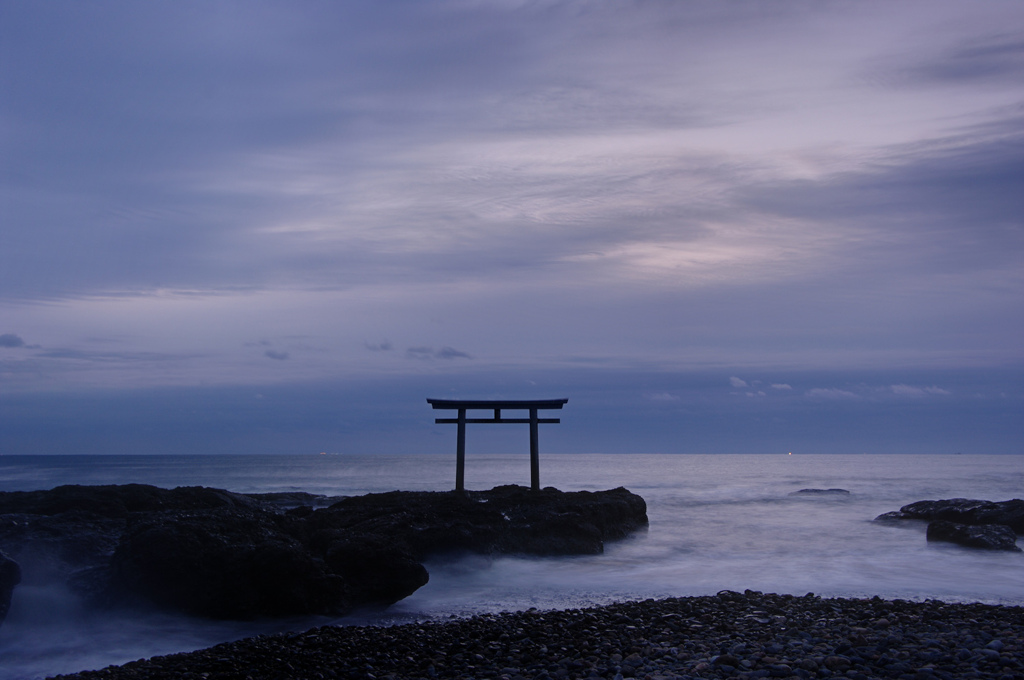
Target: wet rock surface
x=731, y=635
x=964, y=511
x=969, y=522
x=986, y=536
x=214, y=553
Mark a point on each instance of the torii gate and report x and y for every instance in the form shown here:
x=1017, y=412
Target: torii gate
x=497, y=405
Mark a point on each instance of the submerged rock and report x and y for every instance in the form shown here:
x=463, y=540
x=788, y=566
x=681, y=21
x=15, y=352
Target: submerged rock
x=215, y=553
x=829, y=492
x=987, y=536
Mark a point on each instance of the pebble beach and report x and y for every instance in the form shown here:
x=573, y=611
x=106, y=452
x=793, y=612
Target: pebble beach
x=728, y=635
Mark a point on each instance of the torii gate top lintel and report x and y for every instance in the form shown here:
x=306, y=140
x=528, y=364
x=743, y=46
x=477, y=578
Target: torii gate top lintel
x=496, y=405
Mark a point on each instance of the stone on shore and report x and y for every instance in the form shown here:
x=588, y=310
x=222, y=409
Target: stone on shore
x=730, y=635
x=987, y=536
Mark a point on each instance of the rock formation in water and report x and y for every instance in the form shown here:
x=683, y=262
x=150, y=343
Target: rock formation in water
x=969, y=522
x=985, y=536
x=215, y=553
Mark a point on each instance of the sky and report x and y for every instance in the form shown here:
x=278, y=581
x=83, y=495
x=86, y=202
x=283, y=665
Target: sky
x=745, y=227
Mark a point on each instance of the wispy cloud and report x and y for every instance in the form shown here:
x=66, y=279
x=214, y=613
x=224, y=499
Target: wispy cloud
x=994, y=58
x=114, y=358
x=451, y=353
x=11, y=340
x=447, y=353
x=912, y=391
x=830, y=393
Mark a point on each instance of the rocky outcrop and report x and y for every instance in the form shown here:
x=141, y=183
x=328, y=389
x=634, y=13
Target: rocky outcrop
x=215, y=553
x=985, y=536
x=506, y=519
x=10, y=576
x=222, y=563
x=57, y=533
x=821, y=492
x=969, y=522
x=964, y=511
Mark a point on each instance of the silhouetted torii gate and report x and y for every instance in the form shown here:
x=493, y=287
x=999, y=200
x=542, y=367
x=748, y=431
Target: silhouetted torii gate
x=497, y=405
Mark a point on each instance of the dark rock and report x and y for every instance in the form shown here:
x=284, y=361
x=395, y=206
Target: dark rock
x=831, y=492
x=387, y=573
x=50, y=547
x=222, y=564
x=1008, y=513
x=964, y=511
x=988, y=537
x=507, y=519
x=117, y=501
x=215, y=553
x=57, y=533
x=10, y=576
x=290, y=500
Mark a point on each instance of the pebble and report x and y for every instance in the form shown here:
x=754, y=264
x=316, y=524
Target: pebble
x=693, y=638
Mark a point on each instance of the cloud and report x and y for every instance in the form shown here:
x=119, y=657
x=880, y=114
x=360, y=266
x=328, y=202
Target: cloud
x=451, y=353
x=420, y=352
x=11, y=340
x=428, y=353
x=542, y=181
x=992, y=58
x=114, y=358
x=911, y=391
x=274, y=354
x=909, y=206
x=467, y=151
x=830, y=393
x=781, y=386
x=662, y=396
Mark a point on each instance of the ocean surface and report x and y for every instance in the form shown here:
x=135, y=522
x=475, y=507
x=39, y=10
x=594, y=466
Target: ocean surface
x=717, y=522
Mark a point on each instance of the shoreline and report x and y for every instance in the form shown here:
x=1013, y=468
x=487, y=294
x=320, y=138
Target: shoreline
x=728, y=635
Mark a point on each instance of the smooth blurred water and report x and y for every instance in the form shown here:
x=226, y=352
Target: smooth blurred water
x=727, y=521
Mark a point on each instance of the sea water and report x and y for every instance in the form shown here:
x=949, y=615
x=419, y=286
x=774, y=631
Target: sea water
x=716, y=522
